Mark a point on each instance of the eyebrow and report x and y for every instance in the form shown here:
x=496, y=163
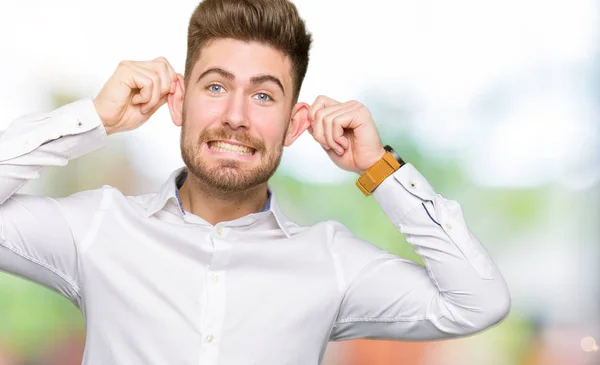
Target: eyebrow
x=256, y=80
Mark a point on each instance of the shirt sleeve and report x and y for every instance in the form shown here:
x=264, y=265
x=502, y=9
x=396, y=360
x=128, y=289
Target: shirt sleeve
x=37, y=240
x=459, y=292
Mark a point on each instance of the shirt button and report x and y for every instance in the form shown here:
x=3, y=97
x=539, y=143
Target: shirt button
x=219, y=231
x=412, y=184
x=448, y=226
x=210, y=338
x=79, y=123
x=215, y=277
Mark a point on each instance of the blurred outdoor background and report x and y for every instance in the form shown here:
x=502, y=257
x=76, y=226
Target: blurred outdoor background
x=496, y=102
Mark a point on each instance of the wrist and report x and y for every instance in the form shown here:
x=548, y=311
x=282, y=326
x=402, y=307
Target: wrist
x=109, y=129
x=370, y=179
x=377, y=156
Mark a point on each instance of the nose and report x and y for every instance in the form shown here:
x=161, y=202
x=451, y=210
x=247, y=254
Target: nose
x=236, y=113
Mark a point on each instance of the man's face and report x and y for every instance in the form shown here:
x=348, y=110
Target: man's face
x=236, y=112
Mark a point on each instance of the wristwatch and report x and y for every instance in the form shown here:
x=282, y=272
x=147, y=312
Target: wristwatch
x=374, y=176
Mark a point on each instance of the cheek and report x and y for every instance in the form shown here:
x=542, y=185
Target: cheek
x=206, y=108
x=211, y=108
x=269, y=123
x=203, y=113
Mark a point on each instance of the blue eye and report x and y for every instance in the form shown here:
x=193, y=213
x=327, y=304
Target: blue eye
x=263, y=98
x=214, y=88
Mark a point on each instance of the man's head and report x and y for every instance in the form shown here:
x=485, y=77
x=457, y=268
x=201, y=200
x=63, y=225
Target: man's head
x=245, y=65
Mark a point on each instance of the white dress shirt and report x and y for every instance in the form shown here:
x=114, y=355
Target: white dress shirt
x=157, y=286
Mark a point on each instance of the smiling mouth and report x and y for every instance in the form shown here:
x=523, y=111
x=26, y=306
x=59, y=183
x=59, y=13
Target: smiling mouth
x=220, y=146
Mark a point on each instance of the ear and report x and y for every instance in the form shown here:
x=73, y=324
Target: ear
x=298, y=123
x=175, y=101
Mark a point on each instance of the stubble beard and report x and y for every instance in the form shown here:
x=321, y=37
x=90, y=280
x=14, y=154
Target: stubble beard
x=226, y=175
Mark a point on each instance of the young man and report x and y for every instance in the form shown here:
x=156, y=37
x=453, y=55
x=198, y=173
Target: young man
x=208, y=270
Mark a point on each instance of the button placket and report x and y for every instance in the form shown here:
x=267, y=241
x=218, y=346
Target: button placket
x=220, y=231
x=215, y=280
x=215, y=311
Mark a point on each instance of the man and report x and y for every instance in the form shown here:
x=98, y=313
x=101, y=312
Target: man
x=208, y=270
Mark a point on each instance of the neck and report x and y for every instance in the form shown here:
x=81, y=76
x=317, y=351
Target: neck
x=217, y=206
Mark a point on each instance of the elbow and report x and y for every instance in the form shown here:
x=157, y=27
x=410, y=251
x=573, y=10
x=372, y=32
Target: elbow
x=494, y=310
x=498, y=310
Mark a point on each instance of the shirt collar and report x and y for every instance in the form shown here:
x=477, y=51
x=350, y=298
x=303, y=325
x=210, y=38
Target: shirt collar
x=169, y=192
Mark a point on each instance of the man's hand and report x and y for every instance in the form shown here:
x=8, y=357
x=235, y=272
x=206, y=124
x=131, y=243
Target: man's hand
x=347, y=132
x=134, y=92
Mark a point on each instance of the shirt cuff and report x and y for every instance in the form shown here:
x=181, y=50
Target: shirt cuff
x=87, y=124
x=33, y=130
x=402, y=192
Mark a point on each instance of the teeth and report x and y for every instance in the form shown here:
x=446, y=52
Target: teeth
x=226, y=147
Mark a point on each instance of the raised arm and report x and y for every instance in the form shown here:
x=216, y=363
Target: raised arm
x=39, y=235
x=460, y=290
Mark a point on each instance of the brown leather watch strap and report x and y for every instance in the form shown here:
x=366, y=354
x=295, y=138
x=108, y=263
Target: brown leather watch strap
x=375, y=175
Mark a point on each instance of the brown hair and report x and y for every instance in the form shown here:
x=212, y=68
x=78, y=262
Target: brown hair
x=272, y=22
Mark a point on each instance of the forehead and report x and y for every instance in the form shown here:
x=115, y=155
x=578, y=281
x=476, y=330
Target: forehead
x=244, y=60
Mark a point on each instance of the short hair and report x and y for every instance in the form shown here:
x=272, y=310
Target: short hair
x=275, y=23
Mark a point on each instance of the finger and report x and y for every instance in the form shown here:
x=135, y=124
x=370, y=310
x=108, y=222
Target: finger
x=156, y=87
x=170, y=76
x=321, y=102
x=172, y=73
x=136, y=80
x=334, y=131
x=316, y=113
x=327, y=121
x=318, y=133
x=155, y=63
x=339, y=135
x=164, y=69
x=160, y=68
x=345, y=120
x=324, y=111
x=325, y=116
x=327, y=133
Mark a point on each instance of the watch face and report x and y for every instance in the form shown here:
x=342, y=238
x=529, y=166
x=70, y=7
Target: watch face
x=389, y=149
